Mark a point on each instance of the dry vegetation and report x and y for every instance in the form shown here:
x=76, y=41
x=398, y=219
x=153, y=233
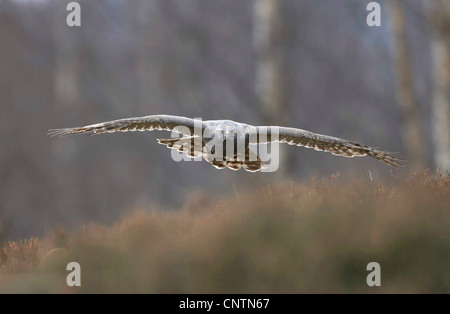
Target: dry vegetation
x=315, y=237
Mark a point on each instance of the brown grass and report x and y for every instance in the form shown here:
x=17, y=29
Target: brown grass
x=292, y=238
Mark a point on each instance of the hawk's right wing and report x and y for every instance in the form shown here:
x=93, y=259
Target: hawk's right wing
x=156, y=122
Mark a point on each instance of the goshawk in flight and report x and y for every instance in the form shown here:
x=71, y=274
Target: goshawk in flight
x=197, y=136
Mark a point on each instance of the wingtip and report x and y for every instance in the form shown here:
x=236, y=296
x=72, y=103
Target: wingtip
x=59, y=132
x=55, y=132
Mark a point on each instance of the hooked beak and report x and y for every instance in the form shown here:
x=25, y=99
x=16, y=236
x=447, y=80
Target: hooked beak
x=224, y=133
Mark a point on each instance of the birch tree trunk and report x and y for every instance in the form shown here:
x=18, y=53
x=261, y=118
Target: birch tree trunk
x=271, y=76
x=411, y=124
x=439, y=18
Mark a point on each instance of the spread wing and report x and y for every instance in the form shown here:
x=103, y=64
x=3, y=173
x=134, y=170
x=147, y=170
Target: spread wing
x=319, y=142
x=149, y=123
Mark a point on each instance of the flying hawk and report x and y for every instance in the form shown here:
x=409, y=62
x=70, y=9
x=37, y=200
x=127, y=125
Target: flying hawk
x=197, y=136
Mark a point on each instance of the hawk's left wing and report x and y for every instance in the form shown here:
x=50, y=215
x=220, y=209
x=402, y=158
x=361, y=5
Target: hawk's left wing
x=319, y=142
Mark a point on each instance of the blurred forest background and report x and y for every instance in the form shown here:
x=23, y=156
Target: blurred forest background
x=311, y=64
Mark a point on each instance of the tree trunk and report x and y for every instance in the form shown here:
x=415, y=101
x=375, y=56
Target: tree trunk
x=271, y=76
x=439, y=17
x=411, y=124
x=66, y=75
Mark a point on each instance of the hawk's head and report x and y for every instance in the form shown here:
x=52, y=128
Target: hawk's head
x=227, y=130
